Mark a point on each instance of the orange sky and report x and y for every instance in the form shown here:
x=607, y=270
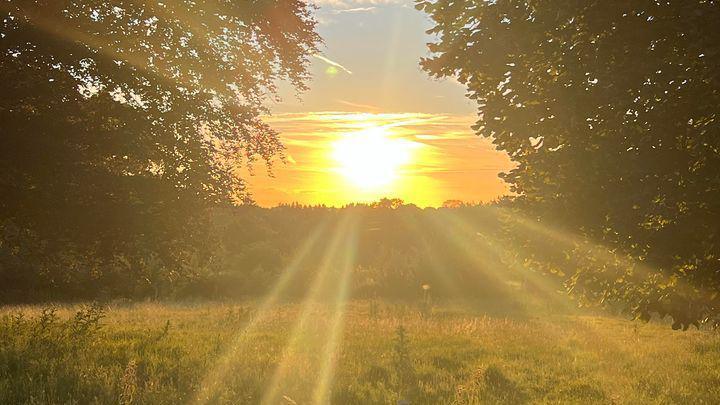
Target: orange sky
x=373, y=124
x=444, y=160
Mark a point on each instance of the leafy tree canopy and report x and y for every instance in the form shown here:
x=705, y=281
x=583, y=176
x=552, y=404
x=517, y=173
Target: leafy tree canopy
x=114, y=113
x=609, y=109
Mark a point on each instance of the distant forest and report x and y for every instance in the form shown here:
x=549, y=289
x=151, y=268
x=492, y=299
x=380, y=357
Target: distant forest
x=459, y=250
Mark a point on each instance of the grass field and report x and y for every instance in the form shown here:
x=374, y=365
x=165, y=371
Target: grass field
x=364, y=352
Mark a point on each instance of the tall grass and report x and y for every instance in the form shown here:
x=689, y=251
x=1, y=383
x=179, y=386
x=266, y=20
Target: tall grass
x=155, y=353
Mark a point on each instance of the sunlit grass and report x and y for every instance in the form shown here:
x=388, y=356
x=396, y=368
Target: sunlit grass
x=456, y=355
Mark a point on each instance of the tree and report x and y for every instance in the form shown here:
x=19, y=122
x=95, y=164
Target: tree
x=388, y=203
x=122, y=121
x=454, y=204
x=609, y=110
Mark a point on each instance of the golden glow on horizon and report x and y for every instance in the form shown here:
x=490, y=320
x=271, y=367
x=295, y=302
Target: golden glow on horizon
x=339, y=158
x=372, y=158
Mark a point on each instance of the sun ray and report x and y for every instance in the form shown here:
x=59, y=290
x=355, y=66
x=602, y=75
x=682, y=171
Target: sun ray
x=300, y=328
x=568, y=240
x=210, y=384
x=439, y=269
x=506, y=278
x=531, y=280
x=457, y=232
x=330, y=351
x=614, y=264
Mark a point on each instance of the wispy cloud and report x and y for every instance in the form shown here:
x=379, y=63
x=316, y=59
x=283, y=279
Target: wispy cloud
x=361, y=107
x=354, y=10
x=333, y=63
x=358, y=3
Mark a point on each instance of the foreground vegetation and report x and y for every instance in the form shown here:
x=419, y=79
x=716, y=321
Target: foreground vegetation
x=362, y=352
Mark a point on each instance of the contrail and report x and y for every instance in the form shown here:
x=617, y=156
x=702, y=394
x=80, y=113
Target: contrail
x=354, y=10
x=332, y=63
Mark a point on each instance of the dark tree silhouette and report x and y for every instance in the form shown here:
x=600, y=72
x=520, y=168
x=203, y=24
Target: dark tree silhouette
x=121, y=120
x=609, y=109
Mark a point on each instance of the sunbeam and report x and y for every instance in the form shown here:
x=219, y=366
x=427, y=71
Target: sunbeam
x=621, y=271
x=440, y=270
x=459, y=234
x=529, y=279
x=214, y=378
x=332, y=345
x=333, y=252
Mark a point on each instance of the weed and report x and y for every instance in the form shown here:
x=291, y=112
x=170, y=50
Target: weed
x=48, y=318
x=402, y=364
x=426, y=305
x=128, y=384
x=374, y=309
x=87, y=319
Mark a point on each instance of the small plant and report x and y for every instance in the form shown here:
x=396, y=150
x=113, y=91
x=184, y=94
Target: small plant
x=164, y=332
x=87, y=319
x=128, y=384
x=44, y=336
x=17, y=321
x=48, y=317
x=426, y=307
x=374, y=309
x=402, y=363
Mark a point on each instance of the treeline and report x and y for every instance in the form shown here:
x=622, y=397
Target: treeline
x=386, y=250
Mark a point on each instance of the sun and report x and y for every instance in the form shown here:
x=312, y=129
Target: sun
x=372, y=158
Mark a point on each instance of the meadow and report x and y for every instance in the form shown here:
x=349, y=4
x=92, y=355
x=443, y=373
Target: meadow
x=358, y=352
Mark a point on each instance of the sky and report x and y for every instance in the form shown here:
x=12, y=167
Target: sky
x=373, y=124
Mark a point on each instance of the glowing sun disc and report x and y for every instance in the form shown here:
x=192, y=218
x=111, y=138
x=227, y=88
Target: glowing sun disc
x=371, y=158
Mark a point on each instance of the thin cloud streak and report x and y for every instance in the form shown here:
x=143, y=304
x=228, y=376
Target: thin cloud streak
x=333, y=63
x=358, y=3
x=354, y=10
x=357, y=105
